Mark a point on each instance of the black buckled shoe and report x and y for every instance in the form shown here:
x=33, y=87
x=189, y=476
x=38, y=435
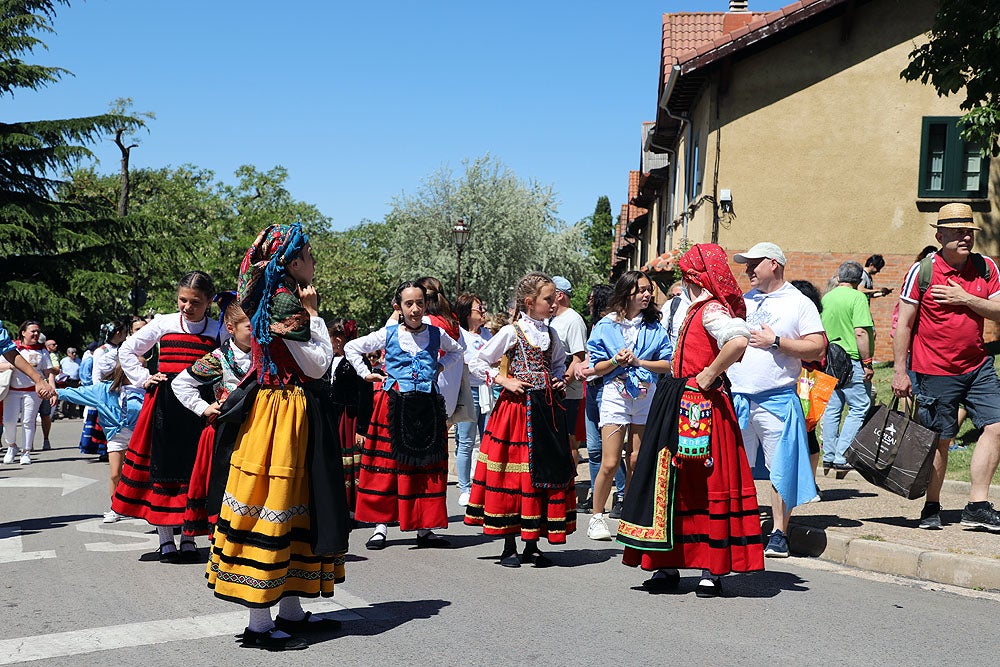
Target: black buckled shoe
x=267, y=642
x=669, y=580
x=432, y=541
x=172, y=556
x=376, y=542
x=305, y=625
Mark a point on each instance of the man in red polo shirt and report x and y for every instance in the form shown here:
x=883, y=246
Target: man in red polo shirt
x=941, y=330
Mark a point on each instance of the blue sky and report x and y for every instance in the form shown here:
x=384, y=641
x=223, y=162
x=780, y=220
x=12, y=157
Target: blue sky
x=360, y=101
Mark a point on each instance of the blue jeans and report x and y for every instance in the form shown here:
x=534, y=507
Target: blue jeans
x=594, y=450
x=465, y=438
x=837, y=436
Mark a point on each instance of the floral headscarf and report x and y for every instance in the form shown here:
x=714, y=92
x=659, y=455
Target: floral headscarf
x=707, y=265
x=262, y=275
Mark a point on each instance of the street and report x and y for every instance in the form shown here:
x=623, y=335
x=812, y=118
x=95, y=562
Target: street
x=77, y=591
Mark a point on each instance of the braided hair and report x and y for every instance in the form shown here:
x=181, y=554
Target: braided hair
x=529, y=286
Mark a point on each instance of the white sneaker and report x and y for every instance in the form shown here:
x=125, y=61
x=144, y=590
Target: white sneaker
x=111, y=516
x=598, y=529
x=11, y=453
x=463, y=499
x=26, y=459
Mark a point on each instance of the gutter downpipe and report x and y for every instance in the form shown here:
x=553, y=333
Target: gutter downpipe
x=668, y=89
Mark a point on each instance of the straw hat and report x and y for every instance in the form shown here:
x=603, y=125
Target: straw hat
x=955, y=216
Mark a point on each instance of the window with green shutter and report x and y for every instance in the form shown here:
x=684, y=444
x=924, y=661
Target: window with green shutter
x=950, y=167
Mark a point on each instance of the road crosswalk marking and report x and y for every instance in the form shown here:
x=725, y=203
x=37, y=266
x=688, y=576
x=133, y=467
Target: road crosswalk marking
x=148, y=633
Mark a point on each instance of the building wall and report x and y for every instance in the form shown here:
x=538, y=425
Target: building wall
x=820, y=139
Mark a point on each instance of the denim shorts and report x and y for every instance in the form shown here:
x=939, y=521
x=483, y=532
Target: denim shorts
x=938, y=398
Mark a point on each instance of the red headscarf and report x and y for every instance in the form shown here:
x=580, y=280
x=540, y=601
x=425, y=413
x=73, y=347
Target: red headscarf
x=707, y=266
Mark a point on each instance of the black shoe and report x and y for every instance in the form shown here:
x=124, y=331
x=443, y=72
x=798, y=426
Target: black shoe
x=713, y=590
x=172, y=556
x=981, y=517
x=842, y=467
x=827, y=466
x=190, y=555
x=304, y=625
x=376, y=542
x=663, y=584
x=536, y=558
x=510, y=560
x=931, y=521
x=587, y=506
x=264, y=640
x=432, y=541
x=616, y=507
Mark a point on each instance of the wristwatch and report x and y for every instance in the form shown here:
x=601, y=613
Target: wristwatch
x=776, y=343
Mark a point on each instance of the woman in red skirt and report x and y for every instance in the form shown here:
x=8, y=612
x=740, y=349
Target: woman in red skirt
x=404, y=461
x=523, y=482
x=692, y=502
x=164, y=444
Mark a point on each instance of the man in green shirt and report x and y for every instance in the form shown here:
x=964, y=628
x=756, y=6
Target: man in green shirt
x=848, y=323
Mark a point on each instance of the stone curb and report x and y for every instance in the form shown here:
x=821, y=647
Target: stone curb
x=949, y=486
x=955, y=569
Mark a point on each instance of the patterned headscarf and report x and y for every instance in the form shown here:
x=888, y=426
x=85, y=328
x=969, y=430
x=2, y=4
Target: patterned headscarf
x=262, y=273
x=707, y=266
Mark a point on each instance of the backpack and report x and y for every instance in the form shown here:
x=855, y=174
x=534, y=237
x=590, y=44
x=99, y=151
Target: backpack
x=927, y=269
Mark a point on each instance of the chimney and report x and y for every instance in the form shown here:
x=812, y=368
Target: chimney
x=738, y=6
x=737, y=16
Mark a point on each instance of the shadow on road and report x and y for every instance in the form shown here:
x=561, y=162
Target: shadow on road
x=384, y=616
x=32, y=526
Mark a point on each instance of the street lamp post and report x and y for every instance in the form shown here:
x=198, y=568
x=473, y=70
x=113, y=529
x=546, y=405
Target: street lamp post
x=460, y=234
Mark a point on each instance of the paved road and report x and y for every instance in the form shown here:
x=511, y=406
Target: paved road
x=75, y=591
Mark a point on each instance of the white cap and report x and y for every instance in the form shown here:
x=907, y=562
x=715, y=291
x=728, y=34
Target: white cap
x=761, y=251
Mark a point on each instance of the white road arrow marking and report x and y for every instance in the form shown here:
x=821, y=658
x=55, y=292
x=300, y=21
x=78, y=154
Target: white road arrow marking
x=147, y=541
x=68, y=483
x=12, y=547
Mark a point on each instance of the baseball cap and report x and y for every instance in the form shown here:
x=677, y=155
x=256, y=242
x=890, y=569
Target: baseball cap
x=761, y=251
x=563, y=285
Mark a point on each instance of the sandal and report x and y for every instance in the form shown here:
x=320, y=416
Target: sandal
x=267, y=642
x=305, y=625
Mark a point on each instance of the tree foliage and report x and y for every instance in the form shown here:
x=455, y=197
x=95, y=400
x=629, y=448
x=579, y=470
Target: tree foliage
x=514, y=229
x=963, y=52
x=48, y=248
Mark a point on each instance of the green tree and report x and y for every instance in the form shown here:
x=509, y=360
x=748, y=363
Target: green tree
x=600, y=234
x=963, y=52
x=352, y=275
x=47, y=247
x=514, y=229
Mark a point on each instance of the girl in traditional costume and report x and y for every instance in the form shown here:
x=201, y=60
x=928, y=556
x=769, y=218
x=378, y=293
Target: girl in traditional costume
x=352, y=398
x=404, y=461
x=692, y=501
x=524, y=479
x=117, y=405
x=102, y=361
x=628, y=349
x=220, y=371
x=283, y=525
x=161, y=453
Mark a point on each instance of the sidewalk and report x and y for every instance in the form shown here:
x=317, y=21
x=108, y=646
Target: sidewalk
x=861, y=525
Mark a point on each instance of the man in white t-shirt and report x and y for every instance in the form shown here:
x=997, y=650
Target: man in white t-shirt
x=785, y=330
x=572, y=332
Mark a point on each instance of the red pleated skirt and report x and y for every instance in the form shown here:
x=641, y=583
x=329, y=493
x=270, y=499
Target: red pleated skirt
x=137, y=495
x=196, y=519
x=390, y=492
x=716, y=518
x=503, y=500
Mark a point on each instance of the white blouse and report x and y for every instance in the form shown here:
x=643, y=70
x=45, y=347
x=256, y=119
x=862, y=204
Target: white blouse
x=719, y=324
x=142, y=341
x=409, y=342
x=537, y=333
x=186, y=387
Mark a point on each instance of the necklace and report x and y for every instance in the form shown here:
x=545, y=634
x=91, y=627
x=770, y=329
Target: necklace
x=185, y=329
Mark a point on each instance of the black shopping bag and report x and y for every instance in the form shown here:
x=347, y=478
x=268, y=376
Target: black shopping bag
x=893, y=451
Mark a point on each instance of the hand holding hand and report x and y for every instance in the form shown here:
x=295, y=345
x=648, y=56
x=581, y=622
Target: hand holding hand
x=43, y=389
x=212, y=411
x=558, y=385
x=374, y=377
x=156, y=378
x=582, y=372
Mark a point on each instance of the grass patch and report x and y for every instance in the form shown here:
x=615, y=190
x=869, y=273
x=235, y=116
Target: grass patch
x=873, y=538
